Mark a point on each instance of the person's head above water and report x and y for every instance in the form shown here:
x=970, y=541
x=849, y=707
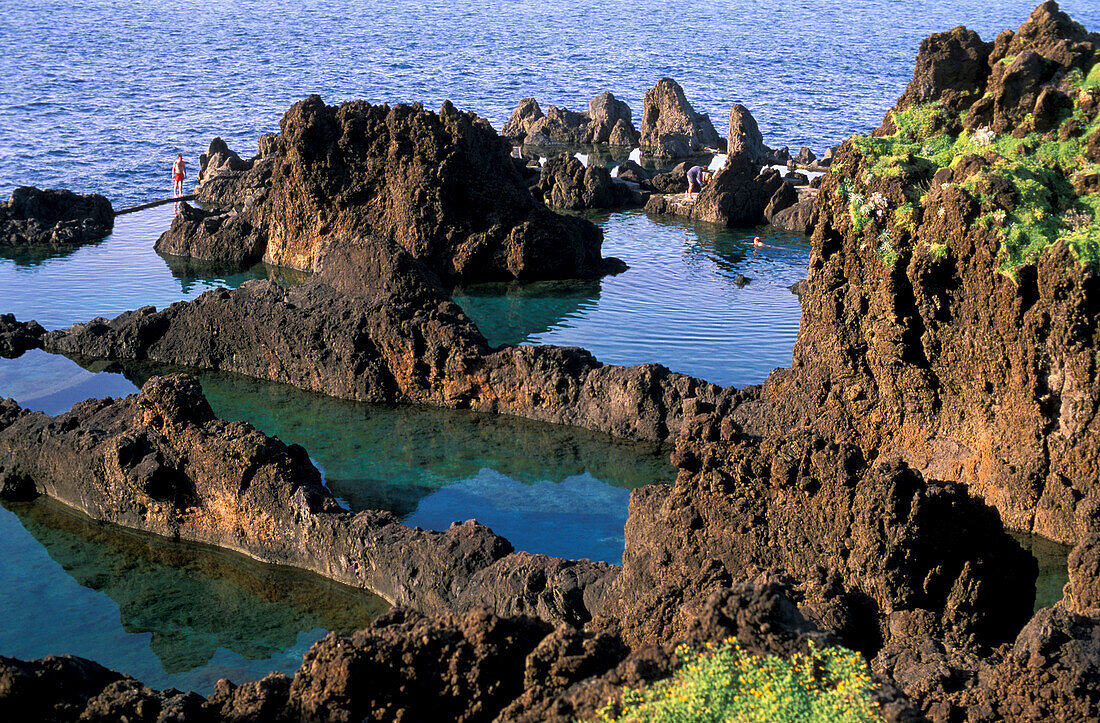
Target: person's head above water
x=756, y=241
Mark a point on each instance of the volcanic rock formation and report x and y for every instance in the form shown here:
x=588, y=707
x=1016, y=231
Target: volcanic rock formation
x=471, y=667
x=607, y=121
x=568, y=184
x=738, y=195
x=54, y=218
x=440, y=185
x=928, y=329
x=670, y=126
x=375, y=325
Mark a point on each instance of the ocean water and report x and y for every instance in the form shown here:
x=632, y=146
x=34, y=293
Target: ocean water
x=99, y=96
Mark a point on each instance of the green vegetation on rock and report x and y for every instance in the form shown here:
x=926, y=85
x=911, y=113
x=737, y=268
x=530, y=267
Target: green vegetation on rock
x=723, y=683
x=1033, y=189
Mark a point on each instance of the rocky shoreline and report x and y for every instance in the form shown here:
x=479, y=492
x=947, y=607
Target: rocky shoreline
x=944, y=386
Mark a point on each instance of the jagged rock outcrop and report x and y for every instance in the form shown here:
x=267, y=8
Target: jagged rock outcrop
x=229, y=182
x=671, y=128
x=526, y=113
x=54, y=217
x=858, y=540
x=17, y=337
x=737, y=195
x=950, y=67
x=439, y=184
x=568, y=184
x=606, y=122
x=745, y=138
x=929, y=336
x=224, y=236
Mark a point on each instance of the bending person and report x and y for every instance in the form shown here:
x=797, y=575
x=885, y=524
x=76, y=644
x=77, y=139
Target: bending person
x=697, y=178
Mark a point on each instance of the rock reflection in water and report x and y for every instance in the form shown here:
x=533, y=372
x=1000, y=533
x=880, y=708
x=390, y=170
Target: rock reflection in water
x=511, y=313
x=192, y=600
x=548, y=488
x=195, y=275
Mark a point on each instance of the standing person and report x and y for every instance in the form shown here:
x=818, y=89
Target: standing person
x=179, y=172
x=697, y=178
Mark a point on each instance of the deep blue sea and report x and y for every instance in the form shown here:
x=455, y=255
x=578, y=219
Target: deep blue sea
x=100, y=96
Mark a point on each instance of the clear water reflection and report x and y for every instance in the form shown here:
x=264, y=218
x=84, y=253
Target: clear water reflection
x=168, y=613
x=678, y=304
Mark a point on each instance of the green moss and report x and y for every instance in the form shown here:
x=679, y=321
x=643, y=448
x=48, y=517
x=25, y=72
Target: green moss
x=1046, y=209
x=1008, y=59
x=905, y=216
x=939, y=251
x=920, y=121
x=1092, y=80
x=724, y=683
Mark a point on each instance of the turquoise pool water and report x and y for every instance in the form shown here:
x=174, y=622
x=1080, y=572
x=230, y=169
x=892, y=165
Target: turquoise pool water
x=169, y=613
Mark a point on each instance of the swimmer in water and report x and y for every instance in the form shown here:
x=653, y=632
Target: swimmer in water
x=757, y=242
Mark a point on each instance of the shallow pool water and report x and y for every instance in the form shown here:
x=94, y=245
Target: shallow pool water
x=679, y=303
x=171, y=614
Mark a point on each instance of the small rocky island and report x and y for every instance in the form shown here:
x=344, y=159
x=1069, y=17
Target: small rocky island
x=944, y=390
x=54, y=218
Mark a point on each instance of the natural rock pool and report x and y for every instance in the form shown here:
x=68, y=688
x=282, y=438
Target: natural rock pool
x=549, y=489
x=184, y=615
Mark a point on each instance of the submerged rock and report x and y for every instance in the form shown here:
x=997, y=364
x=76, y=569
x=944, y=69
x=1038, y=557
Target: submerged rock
x=161, y=462
x=670, y=126
x=54, y=217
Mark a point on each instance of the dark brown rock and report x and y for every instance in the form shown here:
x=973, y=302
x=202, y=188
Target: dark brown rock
x=950, y=66
x=670, y=126
x=744, y=136
x=374, y=325
x=633, y=172
x=606, y=122
x=784, y=197
x=738, y=194
x=526, y=113
x=54, y=688
x=17, y=337
x=35, y=217
x=159, y=461
x=800, y=217
x=876, y=536
x=440, y=185
x=568, y=184
x=610, y=122
x=226, y=237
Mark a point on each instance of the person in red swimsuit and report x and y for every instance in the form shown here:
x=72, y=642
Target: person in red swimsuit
x=179, y=172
